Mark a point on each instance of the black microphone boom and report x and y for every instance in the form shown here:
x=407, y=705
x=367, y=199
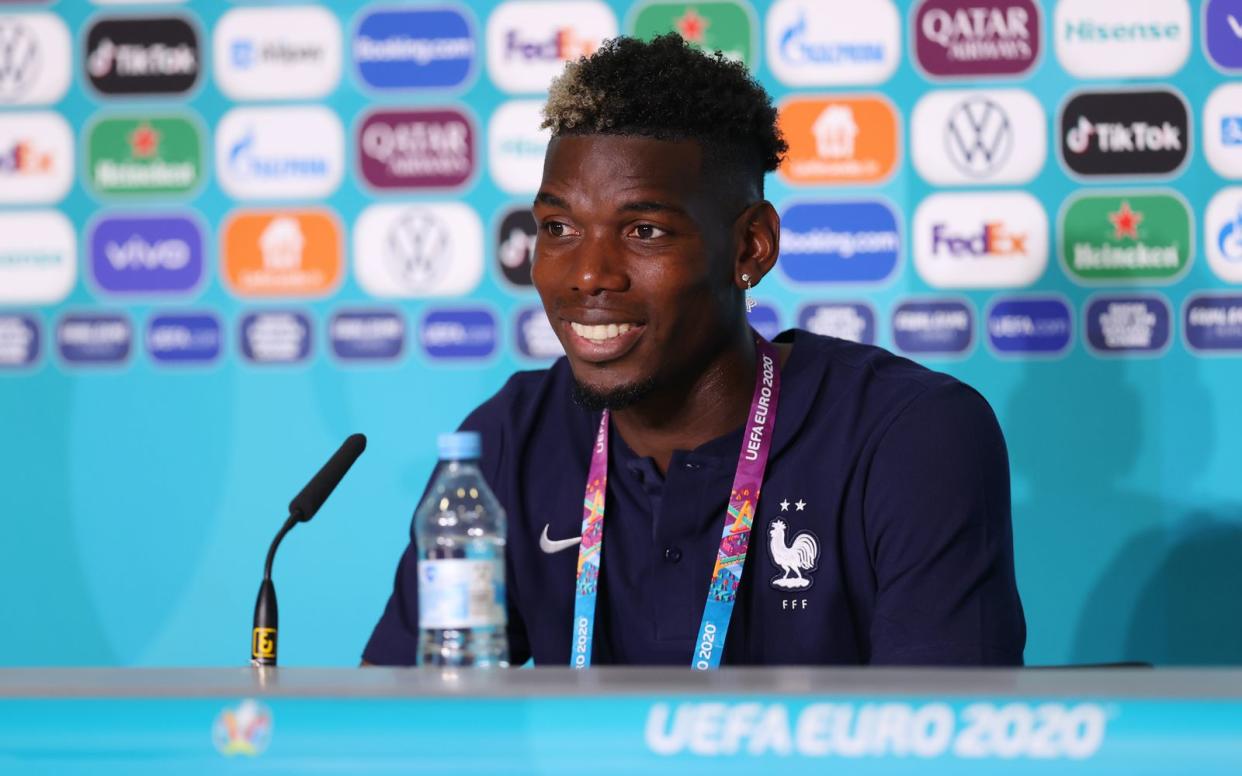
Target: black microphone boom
x=301, y=509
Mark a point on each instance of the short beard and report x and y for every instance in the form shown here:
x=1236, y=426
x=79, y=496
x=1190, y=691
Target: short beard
x=617, y=399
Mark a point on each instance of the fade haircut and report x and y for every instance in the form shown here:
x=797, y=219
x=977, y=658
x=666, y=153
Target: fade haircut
x=667, y=90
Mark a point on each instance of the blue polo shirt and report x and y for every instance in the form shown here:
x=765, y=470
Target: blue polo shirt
x=899, y=474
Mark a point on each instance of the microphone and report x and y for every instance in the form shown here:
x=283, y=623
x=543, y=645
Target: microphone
x=301, y=509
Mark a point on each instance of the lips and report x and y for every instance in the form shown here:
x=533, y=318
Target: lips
x=599, y=342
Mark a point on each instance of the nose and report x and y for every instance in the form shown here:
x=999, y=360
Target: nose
x=597, y=266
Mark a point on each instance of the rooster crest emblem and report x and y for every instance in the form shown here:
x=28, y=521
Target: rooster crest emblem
x=802, y=554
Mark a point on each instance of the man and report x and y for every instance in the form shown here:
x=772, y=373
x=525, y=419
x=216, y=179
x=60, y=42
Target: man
x=883, y=532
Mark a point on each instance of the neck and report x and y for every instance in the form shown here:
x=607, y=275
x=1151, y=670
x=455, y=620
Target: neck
x=685, y=415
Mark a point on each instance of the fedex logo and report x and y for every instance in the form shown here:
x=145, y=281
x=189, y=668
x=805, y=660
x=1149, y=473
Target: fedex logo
x=993, y=239
x=529, y=41
x=561, y=45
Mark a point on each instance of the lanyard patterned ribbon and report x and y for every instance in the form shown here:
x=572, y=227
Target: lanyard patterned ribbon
x=752, y=461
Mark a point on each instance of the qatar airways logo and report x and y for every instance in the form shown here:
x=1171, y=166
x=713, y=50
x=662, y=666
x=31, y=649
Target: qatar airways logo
x=970, y=38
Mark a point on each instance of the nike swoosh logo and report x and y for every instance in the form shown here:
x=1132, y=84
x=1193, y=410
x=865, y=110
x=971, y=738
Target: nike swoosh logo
x=549, y=546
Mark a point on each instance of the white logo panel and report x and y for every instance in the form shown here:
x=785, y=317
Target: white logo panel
x=1222, y=130
x=418, y=250
x=516, y=146
x=961, y=137
x=38, y=257
x=1222, y=234
x=36, y=158
x=284, y=53
x=1122, y=38
x=995, y=239
x=280, y=153
x=818, y=43
x=528, y=43
x=35, y=59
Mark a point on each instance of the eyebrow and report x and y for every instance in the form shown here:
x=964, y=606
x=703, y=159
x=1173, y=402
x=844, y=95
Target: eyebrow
x=639, y=206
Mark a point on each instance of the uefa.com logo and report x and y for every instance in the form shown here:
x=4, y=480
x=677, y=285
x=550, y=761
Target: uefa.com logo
x=529, y=41
x=1029, y=326
x=185, y=338
x=853, y=321
x=1108, y=39
x=807, y=47
x=956, y=39
x=35, y=55
x=142, y=55
x=975, y=137
x=21, y=341
x=287, y=53
x=459, y=334
x=1126, y=133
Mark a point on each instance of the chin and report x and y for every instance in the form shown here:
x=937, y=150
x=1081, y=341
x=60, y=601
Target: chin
x=611, y=397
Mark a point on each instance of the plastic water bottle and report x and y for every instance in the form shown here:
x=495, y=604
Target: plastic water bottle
x=460, y=528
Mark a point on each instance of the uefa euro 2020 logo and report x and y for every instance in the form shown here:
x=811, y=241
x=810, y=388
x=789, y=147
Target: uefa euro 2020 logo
x=245, y=730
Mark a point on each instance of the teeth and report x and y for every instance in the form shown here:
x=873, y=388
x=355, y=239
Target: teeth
x=600, y=332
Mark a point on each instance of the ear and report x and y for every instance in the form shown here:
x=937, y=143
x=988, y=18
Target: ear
x=758, y=241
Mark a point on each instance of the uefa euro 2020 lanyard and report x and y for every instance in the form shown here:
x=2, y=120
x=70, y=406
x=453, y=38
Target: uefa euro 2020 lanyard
x=734, y=539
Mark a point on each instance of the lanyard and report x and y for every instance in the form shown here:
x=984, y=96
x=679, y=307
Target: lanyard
x=734, y=539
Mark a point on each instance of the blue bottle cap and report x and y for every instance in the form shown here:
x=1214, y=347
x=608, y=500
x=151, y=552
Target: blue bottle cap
x=459, y=446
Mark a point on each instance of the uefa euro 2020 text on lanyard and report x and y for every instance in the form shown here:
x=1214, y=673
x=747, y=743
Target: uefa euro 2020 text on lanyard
x=752, y=460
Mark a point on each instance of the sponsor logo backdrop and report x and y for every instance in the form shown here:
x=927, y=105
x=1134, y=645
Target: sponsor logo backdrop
x=231, y=234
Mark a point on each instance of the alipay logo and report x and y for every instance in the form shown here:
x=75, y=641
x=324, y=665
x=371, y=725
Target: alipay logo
x=1222, y=231
x=1030, y=326
x=418, y=250
x=1222, y=33
x=935, y=327
x=529, y=41
x=36, y=158
x=1134, y=39
x=146, y=254
x=280, y=153
x=971, y=39
x=284, y=53
x=816, y=44
x=276, y=337
x=535, y=337
x=38, y=257
x=455, y=334
x=992, y=240
x=516, y=146
x=34, y=59
x=19, y=341
x=367, y=335
x=977, y=137
x=1128, y=325
x=184, y=338
x=854, y=321
x=94, y=339
x=414, y=48
x=834, y=242
x=1222, y=130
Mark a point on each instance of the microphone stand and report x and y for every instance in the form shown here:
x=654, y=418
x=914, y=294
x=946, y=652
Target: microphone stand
x=263, y=635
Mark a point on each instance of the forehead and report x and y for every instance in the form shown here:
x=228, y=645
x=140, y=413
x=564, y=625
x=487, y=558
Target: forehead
x=601, y=168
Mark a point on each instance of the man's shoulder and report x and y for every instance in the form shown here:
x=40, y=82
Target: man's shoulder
x=854, y=362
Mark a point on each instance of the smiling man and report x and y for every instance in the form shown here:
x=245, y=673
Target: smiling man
x=883, y=532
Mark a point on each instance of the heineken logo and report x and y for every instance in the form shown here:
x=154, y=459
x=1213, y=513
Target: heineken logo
x=1141, y=237
x=147, y=155
x=713, y=26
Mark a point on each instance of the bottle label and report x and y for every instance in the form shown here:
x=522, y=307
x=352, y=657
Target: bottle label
x=460, y=593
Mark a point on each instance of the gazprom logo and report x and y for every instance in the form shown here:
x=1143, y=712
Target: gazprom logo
x=1027, y=326
x=839, y=242
x=458, y=334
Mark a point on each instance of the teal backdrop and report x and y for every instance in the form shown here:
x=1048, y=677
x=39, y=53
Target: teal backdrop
x=137, y=501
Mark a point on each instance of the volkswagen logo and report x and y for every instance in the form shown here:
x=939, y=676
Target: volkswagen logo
x=19, y=59
x=419, y=245
x=978, y=137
